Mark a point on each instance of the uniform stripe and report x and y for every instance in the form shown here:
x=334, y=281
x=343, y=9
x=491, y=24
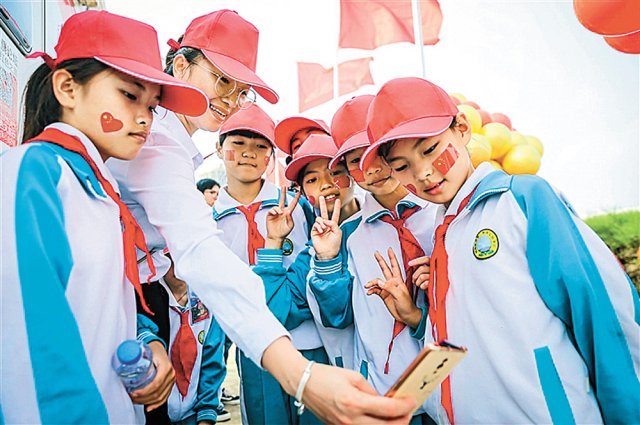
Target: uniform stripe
x=554, y=394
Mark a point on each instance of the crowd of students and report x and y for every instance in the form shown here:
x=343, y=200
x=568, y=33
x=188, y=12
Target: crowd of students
x=388, y=239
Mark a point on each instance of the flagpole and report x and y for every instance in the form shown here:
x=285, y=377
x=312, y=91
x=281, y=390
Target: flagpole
x=336, y=78
x=417, y=30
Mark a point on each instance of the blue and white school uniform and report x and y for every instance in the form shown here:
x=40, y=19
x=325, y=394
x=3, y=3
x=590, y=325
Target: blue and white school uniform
x=343, y=299
x=262, y=398
x=66, y=304
x=201, y=401
x=159, y=188
x=550, y=319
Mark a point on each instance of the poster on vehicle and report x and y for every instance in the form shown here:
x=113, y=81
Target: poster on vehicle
x=8, y=94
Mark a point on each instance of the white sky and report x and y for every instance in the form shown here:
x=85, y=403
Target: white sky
x=529, y=59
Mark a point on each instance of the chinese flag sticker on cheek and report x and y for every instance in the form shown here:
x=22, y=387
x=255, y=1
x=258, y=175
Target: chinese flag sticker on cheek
x=445, y=161
x=342, y=181
x=229, y=155
x=357, y=175
x=109, y=123
x=411, y=188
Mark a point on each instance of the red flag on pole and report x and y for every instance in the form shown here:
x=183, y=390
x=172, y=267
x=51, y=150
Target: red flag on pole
x=315, y=83
x=373, y=23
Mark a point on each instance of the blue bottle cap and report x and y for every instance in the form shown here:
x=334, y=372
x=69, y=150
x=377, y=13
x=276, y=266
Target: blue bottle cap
x=129, y=352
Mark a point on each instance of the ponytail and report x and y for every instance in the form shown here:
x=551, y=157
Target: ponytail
x=189, y=53
x=41, y=107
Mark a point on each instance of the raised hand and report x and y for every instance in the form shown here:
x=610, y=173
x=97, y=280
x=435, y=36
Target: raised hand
x=420, y=276
x=280, y=221
x=325, y=233
x=393, y=291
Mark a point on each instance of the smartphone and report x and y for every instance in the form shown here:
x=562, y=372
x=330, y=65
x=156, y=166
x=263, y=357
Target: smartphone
x=427, y=371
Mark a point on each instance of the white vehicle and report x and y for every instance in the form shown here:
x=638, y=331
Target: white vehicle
x=27, y=26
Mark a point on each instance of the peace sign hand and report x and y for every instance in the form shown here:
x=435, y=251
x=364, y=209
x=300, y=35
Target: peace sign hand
x=325, y=233
x=280, y=221
x=394, y=292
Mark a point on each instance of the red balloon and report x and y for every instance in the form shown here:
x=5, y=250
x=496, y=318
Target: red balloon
x=486, y=117
x=626, y=43
x=501, y=118
x=608, y=17
x=470, y=103
x=455, y=100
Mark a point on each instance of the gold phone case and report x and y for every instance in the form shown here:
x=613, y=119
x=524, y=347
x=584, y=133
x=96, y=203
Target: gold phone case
x=427, y=371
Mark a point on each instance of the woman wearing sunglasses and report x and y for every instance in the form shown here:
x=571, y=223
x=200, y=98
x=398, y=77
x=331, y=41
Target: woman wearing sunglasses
x=218, y=55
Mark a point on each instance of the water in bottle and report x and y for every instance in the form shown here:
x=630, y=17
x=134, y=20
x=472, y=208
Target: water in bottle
x=133, y=363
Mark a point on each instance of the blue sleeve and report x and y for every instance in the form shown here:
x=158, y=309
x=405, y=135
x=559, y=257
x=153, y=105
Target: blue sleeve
x=332, y=284
x=571, y=285
x=147, y=330
x=64, y=384
x=212, y=374
x=418, y=332
x=285, y=289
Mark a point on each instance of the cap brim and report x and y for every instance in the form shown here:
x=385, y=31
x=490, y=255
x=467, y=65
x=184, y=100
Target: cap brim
x=358, y=140
x=295, y=166
x=248, y=128
x=286, y=128
x=176, y=95
x=240, y=72
x=420, y=127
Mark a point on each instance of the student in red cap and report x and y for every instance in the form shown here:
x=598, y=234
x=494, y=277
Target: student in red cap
x=218, y=54
x=291, y=132
x=242, y=213
x=69, y=270
x=549, y=317
x=390, y=220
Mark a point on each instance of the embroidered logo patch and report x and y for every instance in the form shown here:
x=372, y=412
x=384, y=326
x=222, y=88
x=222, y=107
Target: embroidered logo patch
x=287, y=247
x=486, y=244
x=201, y=337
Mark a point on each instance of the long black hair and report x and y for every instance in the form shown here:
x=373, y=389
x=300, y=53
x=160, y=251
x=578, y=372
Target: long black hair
x=41, y=107
x=189, y=53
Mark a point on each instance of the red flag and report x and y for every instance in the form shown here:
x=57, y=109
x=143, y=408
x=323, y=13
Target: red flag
x=315, y=83
x=373, y=23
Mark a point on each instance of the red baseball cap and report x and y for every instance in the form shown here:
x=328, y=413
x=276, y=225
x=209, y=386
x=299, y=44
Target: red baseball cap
x=349, y=126
x=316, y=146
x=231, y=44
x=407, y=107
x=253, y=119
x=128, y=46
x=288, y=127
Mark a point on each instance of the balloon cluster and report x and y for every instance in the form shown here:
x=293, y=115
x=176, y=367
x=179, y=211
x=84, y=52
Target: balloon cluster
x=495, y=141
x=618, y=21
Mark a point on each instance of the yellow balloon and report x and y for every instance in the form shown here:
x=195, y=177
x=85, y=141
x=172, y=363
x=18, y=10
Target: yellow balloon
x=459, y=96
x=479, y=149
x=496, y=165
x=536, y=143
x=473, y=116
x=522, y=159
x=517, y=139
x=499, y=136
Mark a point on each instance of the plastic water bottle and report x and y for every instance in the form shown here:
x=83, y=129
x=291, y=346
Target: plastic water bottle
x=133, y=363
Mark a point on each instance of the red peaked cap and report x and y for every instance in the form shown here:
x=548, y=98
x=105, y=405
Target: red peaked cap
x=288, y=127
x=349, y=126
x=317, y=146
x=128, y=46
x=254, y=119
x=231, y=44
x=407, y=107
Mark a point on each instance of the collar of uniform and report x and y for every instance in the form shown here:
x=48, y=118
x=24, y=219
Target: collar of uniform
x=170, y=123
x=479, y=174
x=269, y=196
x=372, y=210
x=172, y=299
x=91, y=150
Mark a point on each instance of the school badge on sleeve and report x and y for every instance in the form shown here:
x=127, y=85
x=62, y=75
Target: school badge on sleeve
x=486, y=244
x=287, y=247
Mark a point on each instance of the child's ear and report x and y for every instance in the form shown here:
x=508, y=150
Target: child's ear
x=219, y=150
x=180, y=65
x=65, y=88
x=462, y=128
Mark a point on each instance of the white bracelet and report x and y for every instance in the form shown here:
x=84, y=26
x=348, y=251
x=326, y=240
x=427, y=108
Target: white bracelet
x=303, y=383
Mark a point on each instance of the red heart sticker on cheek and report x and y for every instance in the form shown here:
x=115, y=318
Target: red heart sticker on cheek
x=110, y=123
x=229, y=155
x=312, y=200
x=266, y=160
x=411, y=188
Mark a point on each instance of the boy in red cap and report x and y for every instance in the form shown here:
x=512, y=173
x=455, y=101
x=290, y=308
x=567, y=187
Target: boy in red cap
x=390, y=218
x=290, y=133
x=69, y=269
x=549, y=317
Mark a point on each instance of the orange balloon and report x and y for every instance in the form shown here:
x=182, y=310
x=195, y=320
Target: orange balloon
x=501, y=118
x=627, y=43
x=522, y=159
x=479, y=149
x=500, y=138
x=608, y=17
x=486, y=117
